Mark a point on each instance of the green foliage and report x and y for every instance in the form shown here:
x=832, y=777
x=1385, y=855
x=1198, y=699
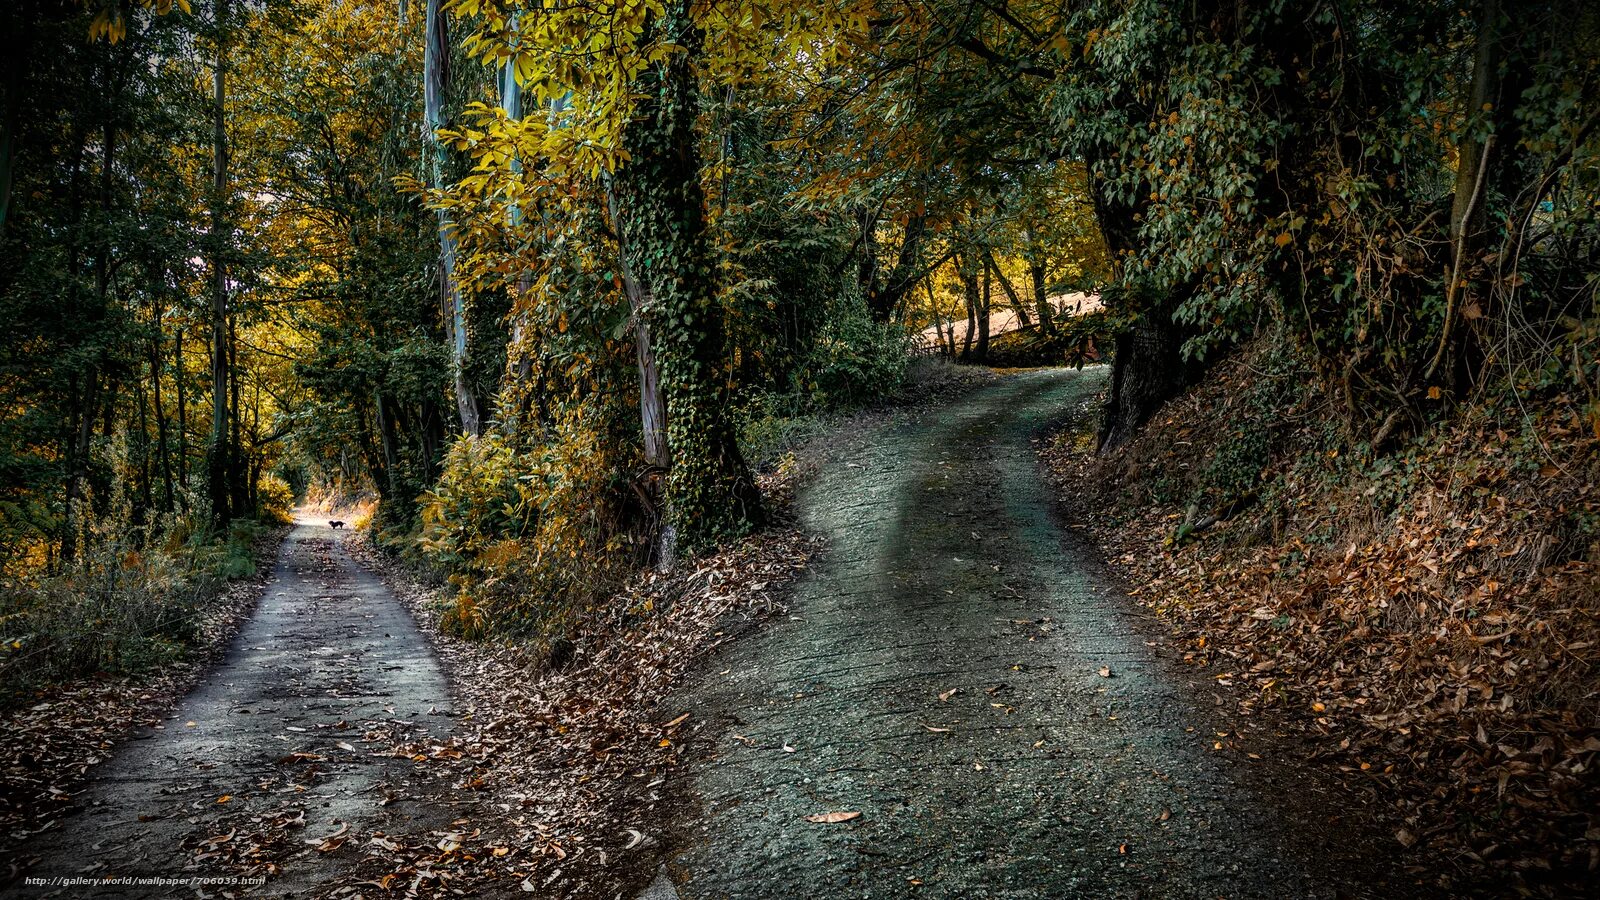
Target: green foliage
x=854, y=360
x=128, y=605
x=1258, y=421
x=475, y=504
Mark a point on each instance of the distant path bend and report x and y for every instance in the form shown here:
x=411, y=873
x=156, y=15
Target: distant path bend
x=1036, y=776
x=297, y=724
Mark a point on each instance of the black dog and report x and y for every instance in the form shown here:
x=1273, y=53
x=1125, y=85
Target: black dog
x=335, y=523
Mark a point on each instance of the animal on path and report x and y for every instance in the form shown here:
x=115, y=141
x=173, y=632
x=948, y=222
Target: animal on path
x=335, y=523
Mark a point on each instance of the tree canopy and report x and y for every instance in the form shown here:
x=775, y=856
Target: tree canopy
x=529, y=271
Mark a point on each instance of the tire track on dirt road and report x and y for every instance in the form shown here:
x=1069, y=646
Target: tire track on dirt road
x=944, y=674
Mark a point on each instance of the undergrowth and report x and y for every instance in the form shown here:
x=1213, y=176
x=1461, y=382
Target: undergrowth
x=133, y=602
x=1076, y=340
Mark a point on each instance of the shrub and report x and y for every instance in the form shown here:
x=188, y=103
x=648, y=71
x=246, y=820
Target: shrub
x=532, y=537
x=854, y=361
x=134, y=600
x=274, y=499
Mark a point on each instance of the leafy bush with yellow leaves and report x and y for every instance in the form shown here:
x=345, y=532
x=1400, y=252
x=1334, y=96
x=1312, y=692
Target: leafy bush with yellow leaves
x=531, y=537
x=274, y=500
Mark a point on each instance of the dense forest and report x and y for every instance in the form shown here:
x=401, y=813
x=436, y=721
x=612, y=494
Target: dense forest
x=544, y=289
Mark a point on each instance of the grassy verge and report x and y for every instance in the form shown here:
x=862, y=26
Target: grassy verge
x=121, y=611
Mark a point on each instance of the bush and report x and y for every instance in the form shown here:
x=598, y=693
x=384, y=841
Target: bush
x=274, y=500
x=854, y=361
x=531, y=538
x=1077, y=341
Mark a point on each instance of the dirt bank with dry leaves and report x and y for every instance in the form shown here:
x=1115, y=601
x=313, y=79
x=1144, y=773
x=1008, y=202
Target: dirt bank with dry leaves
x=1426, y=618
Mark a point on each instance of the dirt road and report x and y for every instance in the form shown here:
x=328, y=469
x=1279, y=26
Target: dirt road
x=962, y=677
x=287, y=742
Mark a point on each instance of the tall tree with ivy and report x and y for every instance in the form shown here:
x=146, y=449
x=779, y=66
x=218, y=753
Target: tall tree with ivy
x=628, y=80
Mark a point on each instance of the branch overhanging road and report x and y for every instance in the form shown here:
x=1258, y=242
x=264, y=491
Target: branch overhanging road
x=289, y=740
x=961, y=675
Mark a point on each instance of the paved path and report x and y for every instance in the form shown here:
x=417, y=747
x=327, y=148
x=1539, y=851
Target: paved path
x=275, y=747
x=1036, y=776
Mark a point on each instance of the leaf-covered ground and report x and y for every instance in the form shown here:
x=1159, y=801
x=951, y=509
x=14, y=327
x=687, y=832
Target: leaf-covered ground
x=1427, y=619
x=560, y=772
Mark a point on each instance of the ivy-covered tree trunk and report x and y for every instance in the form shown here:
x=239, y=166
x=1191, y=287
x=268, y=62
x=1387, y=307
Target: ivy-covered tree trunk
x=710, y=493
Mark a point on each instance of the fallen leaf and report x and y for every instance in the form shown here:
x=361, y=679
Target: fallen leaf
x=832, y=818
x=1105, y=671
x=945, y=697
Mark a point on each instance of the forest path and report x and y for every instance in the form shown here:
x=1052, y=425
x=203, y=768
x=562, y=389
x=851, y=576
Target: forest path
x=288, y=739
x=941, y=675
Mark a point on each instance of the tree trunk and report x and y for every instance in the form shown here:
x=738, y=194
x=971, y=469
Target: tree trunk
x=386, y=474
x=883, y=297
x=146, y=491
x=1148, y=370
x=1148, y=367
x=183, y=415
x=238, y=484
x=218, y=457
x=710, y=493
x=969, y=294
x=982, y=349
x=78, y=467
x=163, y=454
x=652, y=402
x=1011, y=292
x=867, y=265
x=1041, y=300
x=436, y=82
x=1486, y=171
x=519, y=361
